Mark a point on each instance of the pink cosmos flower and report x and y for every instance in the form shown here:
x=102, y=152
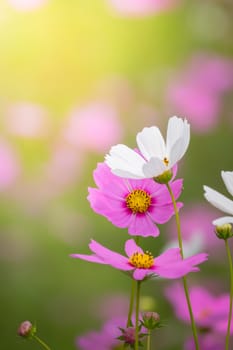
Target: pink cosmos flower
x=210, y=312
x=105, y=338
x=142, y=8
x=209, y=341
x=136, y=204
x=168, y=265
x=198, y=92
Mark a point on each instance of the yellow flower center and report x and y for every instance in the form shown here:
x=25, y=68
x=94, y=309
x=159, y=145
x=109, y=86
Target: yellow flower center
x=142, y=260
x=166, y=161
x=138, y=201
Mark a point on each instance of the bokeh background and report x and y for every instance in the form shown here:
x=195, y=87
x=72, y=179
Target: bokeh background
x=78, y=76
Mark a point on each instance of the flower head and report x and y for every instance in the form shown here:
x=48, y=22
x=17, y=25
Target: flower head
x=157, y=156
x=135, y=204
x=221, y=202
x=210, y=311
x=26, y=329
x=142, y=264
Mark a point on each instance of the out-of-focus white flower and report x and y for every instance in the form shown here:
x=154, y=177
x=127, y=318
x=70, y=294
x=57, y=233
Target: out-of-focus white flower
x=157, y=156
x=221, y=202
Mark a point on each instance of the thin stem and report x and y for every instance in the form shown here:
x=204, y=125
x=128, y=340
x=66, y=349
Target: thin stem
x=41, y=342
x=194, y=330
x=231, y=294
x=131, y=303
x=137, y=315
x=148, y=340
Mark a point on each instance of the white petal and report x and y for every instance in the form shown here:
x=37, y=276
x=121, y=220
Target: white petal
x=178, y=137
x=125, y=162
x=154, y=167
x=227, y=177
x=218, y=200
x=151, y=143
x=223, y=220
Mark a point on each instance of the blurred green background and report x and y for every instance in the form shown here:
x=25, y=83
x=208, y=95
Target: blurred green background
x=79, y=58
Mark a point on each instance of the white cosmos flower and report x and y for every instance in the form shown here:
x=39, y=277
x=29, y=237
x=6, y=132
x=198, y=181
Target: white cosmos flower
x=221, y=202
x=157, y=156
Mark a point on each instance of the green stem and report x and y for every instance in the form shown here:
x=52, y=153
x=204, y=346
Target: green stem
x=131, y=303
x=148, y=340
x=41, y=342
x=194, y=330
x=137, y=315
x=231, y=294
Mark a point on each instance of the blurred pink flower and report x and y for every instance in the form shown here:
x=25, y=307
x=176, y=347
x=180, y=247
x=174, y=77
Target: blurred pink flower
x=26, y=5
x=210, y=311
x=196, y=225
x=168, y=265
x=64, y=167
x=105, y=339
x=9, y=166
x=26, y=120
x=141, y=7
x=197, y=93
x=134, y=204
x=209, y=341
x=93, y=127
x=110, y=306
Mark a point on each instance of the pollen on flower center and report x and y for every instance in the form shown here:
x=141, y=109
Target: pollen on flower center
x=142, y=260
x=166, y=161
x=138, y=201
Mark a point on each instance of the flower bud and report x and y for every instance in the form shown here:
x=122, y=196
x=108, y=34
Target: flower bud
x=164, y=178
x=151, y=320
x=26, y=329
x=224, y=231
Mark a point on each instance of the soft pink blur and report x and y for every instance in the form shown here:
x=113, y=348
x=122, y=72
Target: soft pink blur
x=114, y=305
x=210, y=311
x=197, y=93
x=141, y=7
x=196, y=225
x=209, y=341
x=26, y=5
x=94, y=127
x=26, y=119
x=9, y=166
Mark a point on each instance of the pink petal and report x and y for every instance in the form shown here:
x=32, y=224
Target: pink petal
x=169, y=256
x=162, y=197
x=162, y=214
x=108, y=182
x=131, y=247
x=175, y=270
x=90, y=258
x=142, y=225
x=140, y=274
x=114, y=259
x=114, y=210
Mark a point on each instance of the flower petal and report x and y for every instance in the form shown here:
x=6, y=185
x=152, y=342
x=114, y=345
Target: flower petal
x=227, y=177
x=178, y=137
x=154, y=167
x=106, y=254
x=223, y=220
x=90, y=258
x=162, y=214
x=169, y=256
x=151, y=143
x=131, y=247
x=125, y=162
x=140, y=274
x=142, y=225
x=218, y=200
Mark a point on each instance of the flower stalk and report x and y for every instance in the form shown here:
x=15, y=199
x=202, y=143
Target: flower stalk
x=231, y=294
x=137, y=315
x=194, y=329
x=41, y=342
